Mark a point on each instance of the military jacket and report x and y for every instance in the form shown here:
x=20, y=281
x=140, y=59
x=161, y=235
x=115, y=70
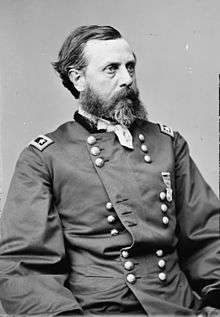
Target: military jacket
x=92, y=226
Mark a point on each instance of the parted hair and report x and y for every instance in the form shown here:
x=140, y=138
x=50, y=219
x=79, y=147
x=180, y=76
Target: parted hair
x=71, y=54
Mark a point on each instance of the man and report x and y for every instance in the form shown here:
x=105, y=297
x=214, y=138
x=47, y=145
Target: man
x=108, y=214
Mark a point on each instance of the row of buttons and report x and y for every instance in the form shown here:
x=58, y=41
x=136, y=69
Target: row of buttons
x=164, y=209
x=128, y=265
x=95, y=151
x=161, y=263
x=144, y=148
x=111, y=218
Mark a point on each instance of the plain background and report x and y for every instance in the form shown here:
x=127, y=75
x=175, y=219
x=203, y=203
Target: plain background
x=178, y=48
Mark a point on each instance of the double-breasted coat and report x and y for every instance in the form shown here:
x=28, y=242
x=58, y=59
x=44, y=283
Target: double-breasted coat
x=92, y=226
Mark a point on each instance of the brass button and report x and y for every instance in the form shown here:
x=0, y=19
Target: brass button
x=165, y=220
x=114, y=232
x=147, y=158
x=124, y=254
x=131, y=278
x=163, y=207
x=159, y=253
x=95, y=150
x=128, y=265
x=144, y=147
x=161, y=263
x=108, y=205
x=99, y=162
x=111, y=218
x=91, y=140
x=141, y=137
x=162, y=276
x=162, y=195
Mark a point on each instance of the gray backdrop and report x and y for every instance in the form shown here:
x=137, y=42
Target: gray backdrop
x=178, y=50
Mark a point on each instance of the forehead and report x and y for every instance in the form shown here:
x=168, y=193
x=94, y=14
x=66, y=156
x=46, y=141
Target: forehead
x=102, y=51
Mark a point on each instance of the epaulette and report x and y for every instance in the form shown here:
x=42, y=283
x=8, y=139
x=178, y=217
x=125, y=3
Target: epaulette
x=41, y=142
x=167, y=130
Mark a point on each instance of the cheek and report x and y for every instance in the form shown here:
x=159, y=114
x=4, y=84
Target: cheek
x=105, y=87
x=134, y=83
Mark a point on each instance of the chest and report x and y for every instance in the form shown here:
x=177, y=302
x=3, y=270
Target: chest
x=82, y=186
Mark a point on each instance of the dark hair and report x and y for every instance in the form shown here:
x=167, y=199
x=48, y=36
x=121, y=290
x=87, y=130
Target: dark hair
x=72, y=50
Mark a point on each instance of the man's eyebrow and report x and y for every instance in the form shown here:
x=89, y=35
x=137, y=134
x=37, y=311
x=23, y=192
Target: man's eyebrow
x=108, y=63
x=133, y=61
x=111, y=62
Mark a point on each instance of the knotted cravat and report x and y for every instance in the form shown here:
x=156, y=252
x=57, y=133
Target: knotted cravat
x=123, y=134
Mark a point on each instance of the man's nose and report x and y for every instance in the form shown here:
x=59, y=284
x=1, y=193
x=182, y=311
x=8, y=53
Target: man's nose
x=125, y=78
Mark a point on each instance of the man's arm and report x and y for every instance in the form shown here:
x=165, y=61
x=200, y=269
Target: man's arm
x=198, y=211
x=33, y=267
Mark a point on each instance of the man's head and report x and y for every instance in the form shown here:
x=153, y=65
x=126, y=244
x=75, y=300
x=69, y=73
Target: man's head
x=98, y=66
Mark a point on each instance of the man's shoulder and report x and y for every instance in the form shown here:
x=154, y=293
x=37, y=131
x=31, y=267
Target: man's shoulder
x=156, y=128
x=45, y=147
x=53, y=138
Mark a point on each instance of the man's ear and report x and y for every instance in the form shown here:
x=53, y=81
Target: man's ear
x=77, y=77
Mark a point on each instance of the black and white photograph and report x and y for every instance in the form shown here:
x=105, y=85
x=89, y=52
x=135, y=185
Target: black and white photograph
x=109, y=158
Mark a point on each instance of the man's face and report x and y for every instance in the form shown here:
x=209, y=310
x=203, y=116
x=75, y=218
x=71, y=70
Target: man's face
x=109, y=89
x=111, y=67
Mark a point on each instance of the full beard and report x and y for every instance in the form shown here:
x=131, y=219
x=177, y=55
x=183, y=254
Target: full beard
x=123, y=108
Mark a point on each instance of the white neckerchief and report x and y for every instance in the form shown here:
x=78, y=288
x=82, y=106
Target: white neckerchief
x=123, y=134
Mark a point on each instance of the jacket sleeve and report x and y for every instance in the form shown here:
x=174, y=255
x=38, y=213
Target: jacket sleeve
x=33, y=266
x=198, y=211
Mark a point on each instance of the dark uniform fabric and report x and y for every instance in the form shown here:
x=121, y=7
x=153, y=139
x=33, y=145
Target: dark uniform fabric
x=85, y=232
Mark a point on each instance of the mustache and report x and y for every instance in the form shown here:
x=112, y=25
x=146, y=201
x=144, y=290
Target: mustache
x=125, y=93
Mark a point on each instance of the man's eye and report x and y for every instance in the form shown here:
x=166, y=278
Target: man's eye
x=131, y=68
x=110, y=69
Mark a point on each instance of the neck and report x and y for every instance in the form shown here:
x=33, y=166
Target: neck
x=87, y=115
